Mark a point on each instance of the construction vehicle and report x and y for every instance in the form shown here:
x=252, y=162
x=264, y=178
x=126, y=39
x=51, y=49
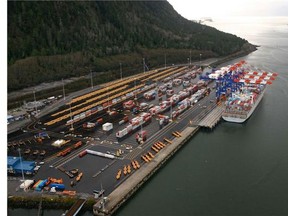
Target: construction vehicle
x=137, y=164
x=134, y=164
x=148, y=157
x=79, y=176
x=54, y=180
x=155, y=149
x=150, y=154
x=157, y=146
x=119, y=174
x=128, y=169
x=125, y=170
x=144, y=158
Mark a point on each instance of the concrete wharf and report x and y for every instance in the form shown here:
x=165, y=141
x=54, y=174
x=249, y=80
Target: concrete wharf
x=75, y=208
x=114, y=200
x=212, y=118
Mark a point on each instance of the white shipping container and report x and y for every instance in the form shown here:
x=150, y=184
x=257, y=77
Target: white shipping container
x=69, y=122
x=121, y=133
x=129, y=127
x=76, y=117
x=124, y=131
x=107, y=126
x=82, y=115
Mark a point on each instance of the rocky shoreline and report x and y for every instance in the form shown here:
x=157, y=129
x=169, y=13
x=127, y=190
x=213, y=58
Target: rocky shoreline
x=246, y=49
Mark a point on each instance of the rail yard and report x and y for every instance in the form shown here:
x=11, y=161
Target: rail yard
x=98, y=140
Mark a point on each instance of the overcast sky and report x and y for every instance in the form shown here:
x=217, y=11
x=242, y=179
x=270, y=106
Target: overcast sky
x=193, y=9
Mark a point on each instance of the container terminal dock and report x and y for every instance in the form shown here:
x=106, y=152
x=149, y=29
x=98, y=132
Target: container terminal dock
x=108, y=142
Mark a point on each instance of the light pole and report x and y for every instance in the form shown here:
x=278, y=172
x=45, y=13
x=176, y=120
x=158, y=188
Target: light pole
x=135, y=98
x=108, y=99
x=23, y=179
x=200, y=58
x=35, y=104
x=165, y=60
x=63, y=89
x=121, y=70
x=190, y=58
x=91, y=79
x=144, y=65
x=171, y=100
x=71, y=117
x=188, y=61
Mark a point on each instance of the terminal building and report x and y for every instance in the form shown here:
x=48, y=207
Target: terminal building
x=15, y=165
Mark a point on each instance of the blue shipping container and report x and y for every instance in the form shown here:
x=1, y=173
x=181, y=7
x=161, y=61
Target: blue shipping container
x=58, y=186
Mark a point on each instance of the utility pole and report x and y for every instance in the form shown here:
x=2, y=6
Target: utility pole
x=144, y=65
x=91, y=79
x=200, y=58
x=121, y=70
x=63, y=89
x=135, y=96
x=190, y=58
x=171, y=110
x=108, y=99
x=35, y=103
x=23, y=179
x=72, y=129
x=165, y=60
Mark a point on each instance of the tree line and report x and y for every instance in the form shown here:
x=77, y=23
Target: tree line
x=48, y=41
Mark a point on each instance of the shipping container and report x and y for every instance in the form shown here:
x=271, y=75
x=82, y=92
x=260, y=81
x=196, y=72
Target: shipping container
x=82, y=115
x=59, y=187
x=107, y=126
x=100, y=121
x=78, y=144
x=82, y=154
x=88, y=113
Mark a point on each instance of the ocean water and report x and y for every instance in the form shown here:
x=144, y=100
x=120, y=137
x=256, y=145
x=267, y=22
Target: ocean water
x=237, y=169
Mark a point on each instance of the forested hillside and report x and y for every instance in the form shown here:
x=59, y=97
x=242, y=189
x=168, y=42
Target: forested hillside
x=52, y=40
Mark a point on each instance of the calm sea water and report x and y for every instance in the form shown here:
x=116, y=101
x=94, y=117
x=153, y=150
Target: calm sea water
x=235, y=169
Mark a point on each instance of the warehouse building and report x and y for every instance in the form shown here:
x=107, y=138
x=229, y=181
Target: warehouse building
x=15, y=165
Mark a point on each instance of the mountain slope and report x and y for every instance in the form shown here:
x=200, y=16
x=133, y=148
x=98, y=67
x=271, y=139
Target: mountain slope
x=53, y=40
